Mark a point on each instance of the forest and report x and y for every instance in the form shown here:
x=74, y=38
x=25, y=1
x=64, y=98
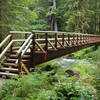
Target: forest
x=81, y=79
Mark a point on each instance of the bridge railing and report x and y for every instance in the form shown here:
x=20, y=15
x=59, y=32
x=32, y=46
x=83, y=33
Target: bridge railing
x=10, y=40
x=63, y=39
x=46, y=40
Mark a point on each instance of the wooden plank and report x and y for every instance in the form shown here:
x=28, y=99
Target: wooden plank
x=46, y=41
x=6, y=49
x=63, y=36
x=9, y=69
x=67, y=43
x=61, y=44
x=7, y=74
x=19, y=32
x=51, y=32
x=25, y=68
x=56, y=40
x=9, y=64
x=2, y=43
x=27, y=47
x=25, y=43
x=26, y=36
x=52, y=45
x=11, y=38
x=19, y=40
x=19, y=63
x=40, y=47
x=24, y=51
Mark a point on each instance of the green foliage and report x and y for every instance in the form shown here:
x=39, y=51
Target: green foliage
x=16, y=15
x=91, y=71
x=85, y=68
x=81, y=54
x=48, y=86
x=72, y=90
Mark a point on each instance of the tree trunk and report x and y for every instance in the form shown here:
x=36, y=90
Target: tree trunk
x=55, y=27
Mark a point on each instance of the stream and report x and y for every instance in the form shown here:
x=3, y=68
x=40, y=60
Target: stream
x=65, y=62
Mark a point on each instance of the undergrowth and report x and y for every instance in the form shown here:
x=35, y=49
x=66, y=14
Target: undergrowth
x=49, y=85
x=52, y=82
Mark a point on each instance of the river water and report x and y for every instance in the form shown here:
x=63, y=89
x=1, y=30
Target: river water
x=65, y=62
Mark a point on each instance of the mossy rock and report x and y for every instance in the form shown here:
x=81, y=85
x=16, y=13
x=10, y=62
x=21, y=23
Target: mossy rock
x=73, y=72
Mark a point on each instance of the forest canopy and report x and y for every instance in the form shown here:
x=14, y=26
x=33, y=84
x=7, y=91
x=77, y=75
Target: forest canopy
x=70, y=15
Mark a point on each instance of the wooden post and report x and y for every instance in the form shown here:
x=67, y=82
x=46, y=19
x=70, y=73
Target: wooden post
x=46, y=41
x=83, y=39
x=33, y=50
x=56, y=40
x=26, y=36
x=11, y=38
x=63, y=36
x=37, y=36
x=19, y=63
x=33, y=43
x=80, y=39
x=77, y=39
x=73, y=39
x=69, y=38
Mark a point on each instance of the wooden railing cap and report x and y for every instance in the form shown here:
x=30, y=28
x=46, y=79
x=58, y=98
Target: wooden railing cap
x=19, y=32
x=50, y=32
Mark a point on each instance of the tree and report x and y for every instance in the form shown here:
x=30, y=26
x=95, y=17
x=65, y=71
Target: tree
x=16, y=15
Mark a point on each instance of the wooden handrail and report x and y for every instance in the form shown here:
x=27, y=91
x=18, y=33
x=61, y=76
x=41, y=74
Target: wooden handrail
x=25, y=43
x=24, y=51
x=2, y=43
x=19, y=40
x=28, y=45
x=5, y=50
x=51, y=32
x=19, y=32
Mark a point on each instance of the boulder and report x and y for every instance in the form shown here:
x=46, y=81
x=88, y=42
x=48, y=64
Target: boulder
x=73, y=72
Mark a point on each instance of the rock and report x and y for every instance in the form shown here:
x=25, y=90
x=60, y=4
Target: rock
x=48, y=68
x=73, y=72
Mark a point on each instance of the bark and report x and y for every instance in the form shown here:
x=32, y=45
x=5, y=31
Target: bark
x=55, y=27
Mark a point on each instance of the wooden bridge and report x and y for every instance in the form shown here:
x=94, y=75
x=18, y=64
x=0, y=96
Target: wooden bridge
x=24, y=50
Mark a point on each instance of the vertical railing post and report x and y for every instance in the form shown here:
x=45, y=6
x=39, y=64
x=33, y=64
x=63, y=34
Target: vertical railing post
x=33, y=43
x=73, y=39
x=26, y=36
x=86, y=38
x=83, y=39
x=56, y=40
x=46, y=41
x=77, y=39
x=37, y=36
x=11, y=38
x=19, y=63
x=69, y=38
x=33, y=49
x=80, y=39
x=63, y=36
